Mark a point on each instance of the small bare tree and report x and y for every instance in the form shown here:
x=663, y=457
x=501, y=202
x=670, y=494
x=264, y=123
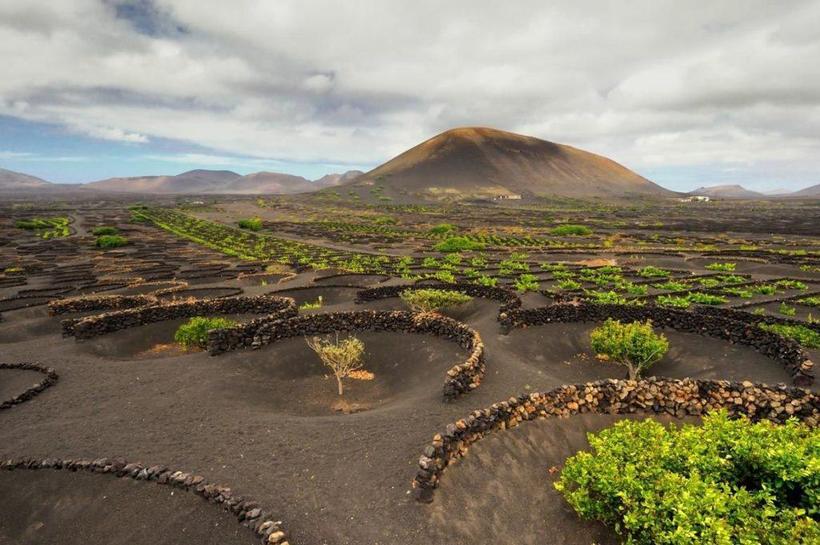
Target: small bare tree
x=341, y=356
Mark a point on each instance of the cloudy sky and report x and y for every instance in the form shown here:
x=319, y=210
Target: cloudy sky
x=686, y=93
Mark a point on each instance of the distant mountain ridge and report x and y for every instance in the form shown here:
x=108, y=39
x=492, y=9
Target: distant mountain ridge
x=221, y=182
x=17, y=180
x=481, y=162
x=728, y=191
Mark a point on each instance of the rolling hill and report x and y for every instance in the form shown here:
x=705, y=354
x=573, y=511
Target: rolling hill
x=476, y=162
x=732, y=191
x=220, y=182
x=17, y=181
x=811, y=192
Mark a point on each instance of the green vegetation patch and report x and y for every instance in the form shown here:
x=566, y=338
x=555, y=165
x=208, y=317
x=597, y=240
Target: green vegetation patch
x=458, y=244
x=46, y=228
x=802, y=334
x=442, y=229
x=429, y=300
x=653, y=272
x=725, y=267
x=194, y=332
x=251, y=224
x=634, y=345
x=724, y=482
x=111, y=241
x=571, y=230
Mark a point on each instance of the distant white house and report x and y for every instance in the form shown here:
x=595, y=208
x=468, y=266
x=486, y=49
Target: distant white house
x=696, y=198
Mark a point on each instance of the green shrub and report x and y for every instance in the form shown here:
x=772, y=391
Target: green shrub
x=725, y=267
x=731, y=279
x=725, y=482
x=739, y=292
x=569, y=285
x=786, y=310
x=764, y=289
x=384, y=220
x=671, y=285
x=634, y=345
x=251, y=224
x=813, y=301
x=445, y=276
x=429, y=300
x=787, y=284
x=100, y=231
x=633, y=289
x=673, y=301
x=571, y=230
x=527, y=282
x=802, y=334
x=194, y=332
x=653, y=272
x=706, y=298
x=484, y=280
x=442, y=229
x=606, y=297
x=458, y=244
x=111, y=241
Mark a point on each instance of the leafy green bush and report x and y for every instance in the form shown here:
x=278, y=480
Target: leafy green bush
x=484, y=280
x=764, y=289
x=569, y=285
x=671, y=285
x=442, y=229
x=111, y=241
x=194, y=332
x=445, y=276
x=634, y=345
x=429, y=300
x=739, y=292
x=802, y=334
x=673, y=301
x=527, y=282
x=786, y=310
x=653, y=272
x=706, y=298
x=725, y=482
x=725, y=267
x=100, y=231
x=606, y=297
x=251, y=224
x=384, y=220
x=813, y=301
x=571, y=230
x=787, y=284
x=458, y=244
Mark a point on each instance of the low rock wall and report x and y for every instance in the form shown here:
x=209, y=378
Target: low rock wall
x=659, y=396
x=785, y=351
x=461, y=378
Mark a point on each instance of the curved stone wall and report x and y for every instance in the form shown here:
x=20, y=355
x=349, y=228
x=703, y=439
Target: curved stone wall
x=98, y=302
x=50, y=379
x=783, y=350
x=461, y=378
x=677, y=398
x=92, y=326
x=247, y=511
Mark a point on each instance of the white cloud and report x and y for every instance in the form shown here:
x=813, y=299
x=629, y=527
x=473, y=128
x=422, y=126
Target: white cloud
x=687, y=84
